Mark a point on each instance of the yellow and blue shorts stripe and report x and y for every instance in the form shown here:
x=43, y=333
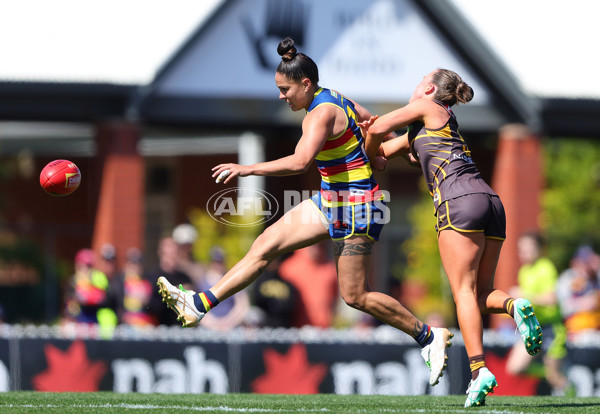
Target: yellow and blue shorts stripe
x=353, y=219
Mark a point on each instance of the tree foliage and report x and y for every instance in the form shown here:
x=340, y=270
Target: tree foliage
x=235, y=240
x=424, y=265
x=571, y=200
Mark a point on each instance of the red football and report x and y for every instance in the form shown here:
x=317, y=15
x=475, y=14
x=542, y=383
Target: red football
x=60, y=177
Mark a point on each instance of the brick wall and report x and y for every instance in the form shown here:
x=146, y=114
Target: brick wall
x=518, y=180
x=120, y=215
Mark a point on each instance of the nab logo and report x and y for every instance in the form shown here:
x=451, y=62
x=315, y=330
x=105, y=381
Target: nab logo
x=283, y=18
x=242, y=207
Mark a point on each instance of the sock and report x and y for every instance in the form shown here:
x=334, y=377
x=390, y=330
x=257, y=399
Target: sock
x=205, y=301
x=476, y=363
x=425, y=337
x=508, y=306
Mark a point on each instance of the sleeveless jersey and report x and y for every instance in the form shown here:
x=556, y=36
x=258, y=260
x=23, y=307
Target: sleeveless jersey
x=343, y=162
x=446, y=160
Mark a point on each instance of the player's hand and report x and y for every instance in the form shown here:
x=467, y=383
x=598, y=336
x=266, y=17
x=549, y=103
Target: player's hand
x=365, y=125
x=379, y=163
x=227, y=172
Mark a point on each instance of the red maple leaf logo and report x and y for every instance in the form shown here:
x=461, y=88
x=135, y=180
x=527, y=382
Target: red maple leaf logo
x=69, y=371
x=510, y=384
x=289, y=373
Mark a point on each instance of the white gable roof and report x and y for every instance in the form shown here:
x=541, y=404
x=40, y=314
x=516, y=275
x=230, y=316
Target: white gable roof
x=546, y=44
x=369, y=50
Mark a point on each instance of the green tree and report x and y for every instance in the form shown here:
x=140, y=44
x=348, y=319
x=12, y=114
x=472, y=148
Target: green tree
x=234, y=239
x=571, y=200
x=424, y=266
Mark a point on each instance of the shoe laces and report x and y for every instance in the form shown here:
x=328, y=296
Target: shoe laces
x=427, y=350
x=469, y=387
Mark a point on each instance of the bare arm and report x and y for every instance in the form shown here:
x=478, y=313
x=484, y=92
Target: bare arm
x=390, y=122
x=395, y=147
x=365, y=119
x=316, y=128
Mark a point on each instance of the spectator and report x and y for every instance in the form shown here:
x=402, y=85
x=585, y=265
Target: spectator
x=87, y=295
x=132, y=290
x=579, y=293
x=313, y=273
x=274, y=297
x=232, y=311
x=167, y=266
x=108, y=260
x=108, y=265
x=537, y=280
x=184, y=236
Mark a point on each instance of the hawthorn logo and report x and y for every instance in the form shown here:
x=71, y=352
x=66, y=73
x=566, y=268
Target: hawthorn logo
x=242, y=207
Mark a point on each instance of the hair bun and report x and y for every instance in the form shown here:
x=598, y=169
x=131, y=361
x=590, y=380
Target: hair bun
x=464, y=93
x=287, y=49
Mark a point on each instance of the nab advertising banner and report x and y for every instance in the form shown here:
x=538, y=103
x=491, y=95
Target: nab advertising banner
x=342, y=369
x=4, y=366
x=154, y=366
x=123, y=366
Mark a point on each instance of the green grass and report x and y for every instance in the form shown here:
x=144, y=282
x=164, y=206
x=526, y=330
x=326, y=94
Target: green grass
x=106, y=402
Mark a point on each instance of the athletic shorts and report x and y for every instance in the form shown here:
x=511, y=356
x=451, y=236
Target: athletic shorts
x=473, y=213
x=348, y=219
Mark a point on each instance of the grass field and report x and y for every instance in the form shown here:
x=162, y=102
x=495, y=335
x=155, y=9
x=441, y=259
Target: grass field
x=106, y=402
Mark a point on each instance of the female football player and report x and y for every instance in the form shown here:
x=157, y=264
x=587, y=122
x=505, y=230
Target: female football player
x=471, y=223
x=350, y=209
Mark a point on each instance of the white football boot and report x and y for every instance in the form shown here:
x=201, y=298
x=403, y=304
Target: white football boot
x=181, y=301
x=435, y=354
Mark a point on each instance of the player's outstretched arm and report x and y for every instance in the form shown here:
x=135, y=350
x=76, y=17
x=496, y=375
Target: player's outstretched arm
x=316, y=128
x=393, y=121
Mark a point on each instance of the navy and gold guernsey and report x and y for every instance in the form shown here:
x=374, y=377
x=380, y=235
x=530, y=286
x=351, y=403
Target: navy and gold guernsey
x=446, y=160
x=350, y=199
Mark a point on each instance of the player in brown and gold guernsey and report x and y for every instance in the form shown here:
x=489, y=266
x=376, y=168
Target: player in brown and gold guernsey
x=471, y=222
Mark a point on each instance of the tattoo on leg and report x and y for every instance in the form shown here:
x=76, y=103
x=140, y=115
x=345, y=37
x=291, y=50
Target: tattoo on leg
x=337, y=248
x=345, y=249
x=417, y=328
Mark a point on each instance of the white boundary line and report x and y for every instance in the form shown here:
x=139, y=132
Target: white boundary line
x=231, y=409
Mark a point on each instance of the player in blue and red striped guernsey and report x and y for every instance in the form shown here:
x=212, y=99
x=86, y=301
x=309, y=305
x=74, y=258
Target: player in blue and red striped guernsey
x=350, y=210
